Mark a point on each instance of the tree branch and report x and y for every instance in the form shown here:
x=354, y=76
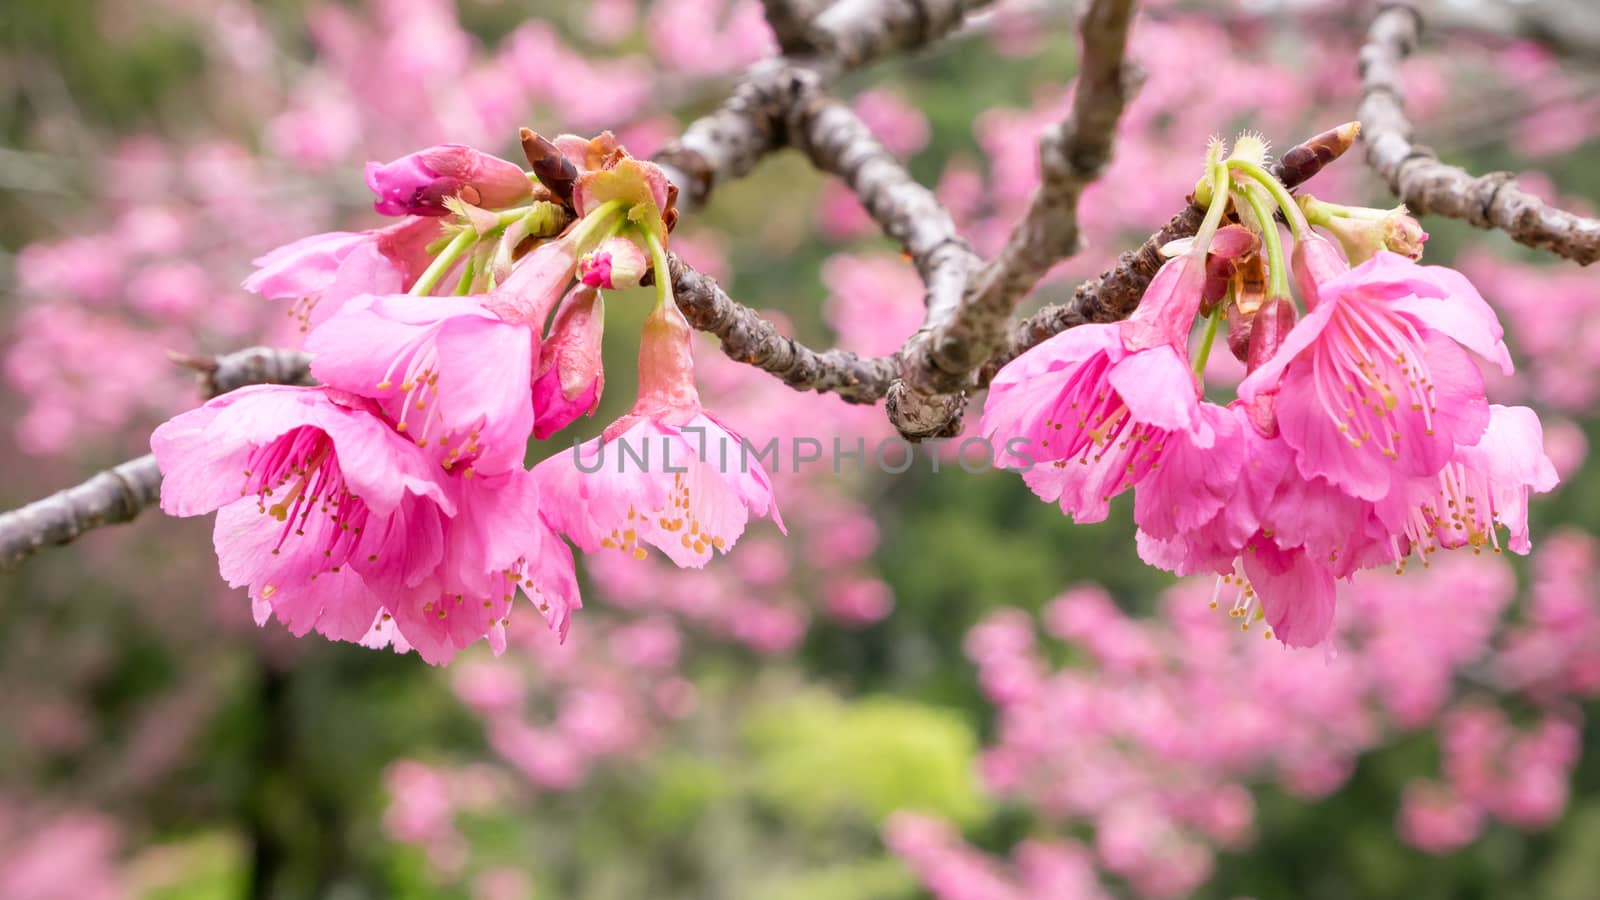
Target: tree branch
x=727, y=143
x=115, y=495
x=939, y=365
x=120, y=493
x=790, y=21
x=1429, y=186
x=839, y=143
x=853, y=33
x=252, y=365
x=751, y=339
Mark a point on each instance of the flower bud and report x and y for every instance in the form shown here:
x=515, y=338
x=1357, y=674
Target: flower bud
x=1363, y=231
x=1233, y=246
x=616, y=263
x=1315, y=261
x=1268, y=329
x=419, y=183
x=570, y=379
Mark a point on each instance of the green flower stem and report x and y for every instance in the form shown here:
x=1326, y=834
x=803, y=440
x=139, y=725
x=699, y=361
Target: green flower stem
x=658, y=262
x=442, y=263
x=584, y=237
x=469, y=271
x=1209, y=338
x=1279, y=286
x=544, y=218
x=1218, y=206
x=1280, y=194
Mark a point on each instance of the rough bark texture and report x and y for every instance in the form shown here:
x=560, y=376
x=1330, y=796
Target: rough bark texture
x=749, y=338
x=122, y=492
x=115, y=495
x=853, y=33
x=838, y=142
x=959, y=339
x=1429, y=186
x=790, y=21
x=252, y=365
x=729, y=142
x=847, y=35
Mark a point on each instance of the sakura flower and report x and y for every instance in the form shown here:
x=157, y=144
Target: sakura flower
x=695, y=496
x=320, y=272
x=1373, y=384
x=1296, y=593
x=1482, y=487
x=1216, y=509
x=323, y=511
x=496, y=543
x=454, y=373
x=1100, y=402
x=570, y=377
x=1195, y=480
x=418, y=184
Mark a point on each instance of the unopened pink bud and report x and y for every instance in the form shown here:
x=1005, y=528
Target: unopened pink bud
x=1315, y=261
x=1232, y=245
x=1362, y=231
x=1404, y=235
x=616, y=263
x=419, y=183
x=570, y=378
x=1268, y=329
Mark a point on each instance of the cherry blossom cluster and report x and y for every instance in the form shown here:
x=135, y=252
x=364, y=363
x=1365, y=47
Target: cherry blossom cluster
x=390, y=504
x=154, y=268
x=557, y=716
x=1361, y=435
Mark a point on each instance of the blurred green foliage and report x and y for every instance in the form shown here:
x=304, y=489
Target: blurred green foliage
x=820, y=762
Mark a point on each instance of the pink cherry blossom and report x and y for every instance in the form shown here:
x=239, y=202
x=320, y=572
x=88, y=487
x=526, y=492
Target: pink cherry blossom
x=453, y=373
x=1373, y=384
x=616, y=263
x=696, y=493
x=318, y=274
x=497, y=542
x=323, y=511
x=418, y=184
x=1099, y=404
x=1483, y=487
x=1434, y=818
x=1259, y=464
x=338, y=523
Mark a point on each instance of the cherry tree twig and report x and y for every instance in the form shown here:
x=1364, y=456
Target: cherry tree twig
x=122, y=492
x=790, y=21
x=838, y=142
x=749, y=338
x=728, y=143
x=939, y=363
x=1429, y=186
